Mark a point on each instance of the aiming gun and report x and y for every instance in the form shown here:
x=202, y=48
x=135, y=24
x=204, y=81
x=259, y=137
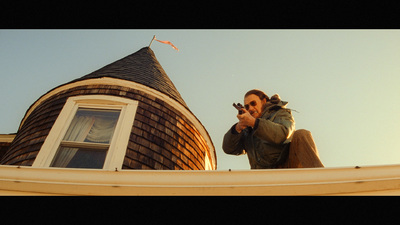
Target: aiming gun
x=239, y=107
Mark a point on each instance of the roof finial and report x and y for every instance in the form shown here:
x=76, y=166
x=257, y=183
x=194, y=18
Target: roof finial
x=154, y=37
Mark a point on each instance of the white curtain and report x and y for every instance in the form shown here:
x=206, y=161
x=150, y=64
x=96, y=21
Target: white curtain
x=97, y=129
x=102, y=130
x=78, y=130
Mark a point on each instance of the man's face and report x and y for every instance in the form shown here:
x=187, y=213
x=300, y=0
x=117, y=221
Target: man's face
x=254, y=105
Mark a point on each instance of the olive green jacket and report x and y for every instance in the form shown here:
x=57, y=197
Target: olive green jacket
x=264, y=142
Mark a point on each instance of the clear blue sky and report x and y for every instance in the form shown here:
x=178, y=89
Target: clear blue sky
x=344, y=83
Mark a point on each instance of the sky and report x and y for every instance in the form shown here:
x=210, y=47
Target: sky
x=344, y=84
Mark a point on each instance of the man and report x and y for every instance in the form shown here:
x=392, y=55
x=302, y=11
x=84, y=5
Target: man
x=263, y=130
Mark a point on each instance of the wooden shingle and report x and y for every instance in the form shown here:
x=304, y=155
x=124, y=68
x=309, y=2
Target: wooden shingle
x=161, y=136
x=141, y=67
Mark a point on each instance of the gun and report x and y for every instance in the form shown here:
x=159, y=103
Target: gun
x=239, y=107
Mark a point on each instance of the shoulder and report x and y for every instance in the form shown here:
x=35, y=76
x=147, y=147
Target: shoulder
x=285, y=110
x=281, y=114
x=280, y=110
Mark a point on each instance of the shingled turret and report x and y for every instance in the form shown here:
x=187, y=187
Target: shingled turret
x=141, y=67
x=164, y=133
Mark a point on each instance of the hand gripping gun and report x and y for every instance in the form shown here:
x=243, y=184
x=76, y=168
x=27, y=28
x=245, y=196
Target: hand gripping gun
x=239, y=107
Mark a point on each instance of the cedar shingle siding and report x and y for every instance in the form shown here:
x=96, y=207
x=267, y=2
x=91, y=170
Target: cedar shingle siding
x=161, y=136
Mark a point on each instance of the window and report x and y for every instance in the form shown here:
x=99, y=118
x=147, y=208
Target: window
x=87, y=140
x=91, y=132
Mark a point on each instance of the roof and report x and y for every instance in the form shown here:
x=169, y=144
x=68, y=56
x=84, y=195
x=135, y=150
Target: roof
x=368, y=180
x=138, y=77
x=141, y=67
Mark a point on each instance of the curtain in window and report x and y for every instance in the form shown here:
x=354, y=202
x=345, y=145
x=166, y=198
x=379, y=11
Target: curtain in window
x=102, y=130
x=87, y=126
x=78, y=131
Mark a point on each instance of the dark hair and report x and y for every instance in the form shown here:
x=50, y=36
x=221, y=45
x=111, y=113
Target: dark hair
x=257, y=92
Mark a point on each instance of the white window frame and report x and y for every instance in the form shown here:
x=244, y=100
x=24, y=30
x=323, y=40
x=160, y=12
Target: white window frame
x=119, y=142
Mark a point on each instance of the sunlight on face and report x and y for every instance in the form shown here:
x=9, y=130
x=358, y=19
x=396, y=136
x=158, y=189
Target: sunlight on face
x=254, y=105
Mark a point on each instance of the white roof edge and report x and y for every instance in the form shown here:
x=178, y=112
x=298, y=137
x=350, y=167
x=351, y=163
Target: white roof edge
x=368, y=180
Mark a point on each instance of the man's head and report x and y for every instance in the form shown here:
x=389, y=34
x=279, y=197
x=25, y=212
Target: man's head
x=255, y=102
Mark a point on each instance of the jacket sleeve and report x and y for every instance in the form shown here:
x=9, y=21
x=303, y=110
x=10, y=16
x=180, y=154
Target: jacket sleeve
x=233, y=142
x=276, y=131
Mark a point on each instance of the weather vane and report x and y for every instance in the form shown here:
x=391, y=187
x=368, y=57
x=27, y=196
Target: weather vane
x=164, y=42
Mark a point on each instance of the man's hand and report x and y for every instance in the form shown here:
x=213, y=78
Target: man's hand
x=245, y=120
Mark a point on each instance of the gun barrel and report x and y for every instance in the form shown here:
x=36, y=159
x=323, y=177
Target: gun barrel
x=239, y=107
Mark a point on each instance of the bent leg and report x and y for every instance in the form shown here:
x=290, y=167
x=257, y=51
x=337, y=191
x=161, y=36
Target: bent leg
x=303, y=152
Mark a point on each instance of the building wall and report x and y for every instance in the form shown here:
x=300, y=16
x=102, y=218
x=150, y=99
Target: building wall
x=161, y=137
x=4, y=148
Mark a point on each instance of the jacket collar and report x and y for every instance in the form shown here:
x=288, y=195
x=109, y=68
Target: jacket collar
x=274, y=107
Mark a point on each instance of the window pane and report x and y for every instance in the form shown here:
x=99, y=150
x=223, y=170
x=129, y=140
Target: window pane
x=92, y=125
x=88, y=126
x=79, y=158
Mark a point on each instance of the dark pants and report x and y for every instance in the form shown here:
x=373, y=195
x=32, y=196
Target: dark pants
x=303, y=152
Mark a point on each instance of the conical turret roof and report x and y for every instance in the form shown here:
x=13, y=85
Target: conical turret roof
x=141, y=67
x=162, y=127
